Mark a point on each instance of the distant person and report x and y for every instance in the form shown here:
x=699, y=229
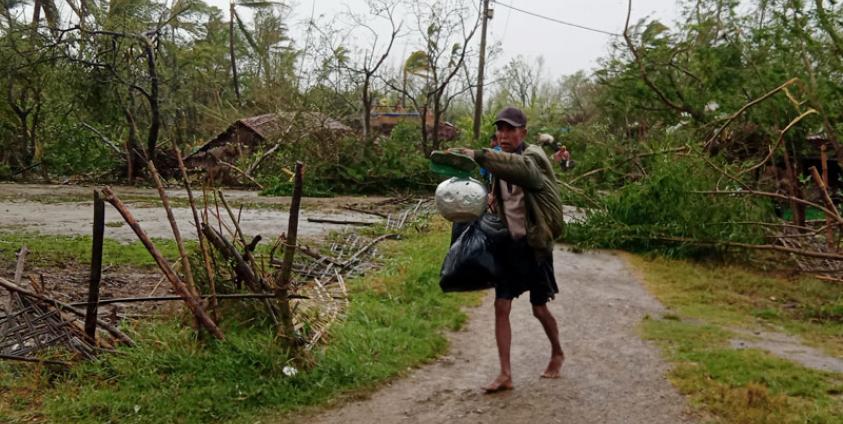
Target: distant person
x=494, y=145
x=563, y=158
x=526, y=198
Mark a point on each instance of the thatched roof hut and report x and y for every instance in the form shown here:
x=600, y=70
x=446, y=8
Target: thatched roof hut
x=246, y=136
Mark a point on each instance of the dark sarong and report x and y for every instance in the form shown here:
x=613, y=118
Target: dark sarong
x=523, y=270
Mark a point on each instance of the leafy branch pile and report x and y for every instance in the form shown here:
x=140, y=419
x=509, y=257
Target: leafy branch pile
x=705, y=135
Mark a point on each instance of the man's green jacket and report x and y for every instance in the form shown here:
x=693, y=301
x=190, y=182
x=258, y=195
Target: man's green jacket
x=532, y=171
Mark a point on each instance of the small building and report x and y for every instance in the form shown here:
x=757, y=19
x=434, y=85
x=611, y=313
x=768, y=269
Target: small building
x=385, y=118
x=246, y=136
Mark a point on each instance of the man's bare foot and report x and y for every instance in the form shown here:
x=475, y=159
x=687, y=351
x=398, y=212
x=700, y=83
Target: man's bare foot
x=503, y=382
x=554, y=367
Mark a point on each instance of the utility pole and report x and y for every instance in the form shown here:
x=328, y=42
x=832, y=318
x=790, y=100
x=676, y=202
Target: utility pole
x=478, y=101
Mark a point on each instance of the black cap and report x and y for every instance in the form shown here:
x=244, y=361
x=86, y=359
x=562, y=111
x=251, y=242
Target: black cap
x=512, y=116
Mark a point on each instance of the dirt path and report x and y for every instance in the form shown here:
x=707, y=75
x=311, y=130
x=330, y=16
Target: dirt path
x=610, y=376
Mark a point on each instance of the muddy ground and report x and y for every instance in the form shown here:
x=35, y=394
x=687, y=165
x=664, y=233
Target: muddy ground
x=610, y=374
x=68, y=210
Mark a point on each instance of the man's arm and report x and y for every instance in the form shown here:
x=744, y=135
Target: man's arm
x=521, y=170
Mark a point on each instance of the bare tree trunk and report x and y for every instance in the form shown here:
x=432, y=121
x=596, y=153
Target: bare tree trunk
x=231, y=53
x=793, y=187
x=367, y=107
x=154, y=107
x=437, y=99
x=425, y=147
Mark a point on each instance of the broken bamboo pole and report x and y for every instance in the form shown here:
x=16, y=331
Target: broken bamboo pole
x=96, y=266
x=241, y=267
x=119, y=335
x=203, y=244
x=165, y=201
x=34, y=360
x=192, y=302
x=229, y=296
x=826, y=198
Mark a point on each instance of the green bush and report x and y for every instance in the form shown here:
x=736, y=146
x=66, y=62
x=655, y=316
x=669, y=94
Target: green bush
x=353, y=166
x=72, y=150
x=662, y=208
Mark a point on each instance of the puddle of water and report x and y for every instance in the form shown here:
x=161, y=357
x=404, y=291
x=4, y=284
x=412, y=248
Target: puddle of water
x=77, y=219
x=788, y=347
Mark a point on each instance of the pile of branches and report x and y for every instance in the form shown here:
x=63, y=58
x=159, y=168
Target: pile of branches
x=774, y=180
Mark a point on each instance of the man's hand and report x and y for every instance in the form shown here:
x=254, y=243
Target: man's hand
x=462, y=150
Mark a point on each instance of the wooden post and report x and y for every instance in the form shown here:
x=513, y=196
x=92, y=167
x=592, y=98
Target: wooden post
x=286, y=329
x=96, y=267
x=21, y=263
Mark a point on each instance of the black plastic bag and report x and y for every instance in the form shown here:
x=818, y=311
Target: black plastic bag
x=471, y=262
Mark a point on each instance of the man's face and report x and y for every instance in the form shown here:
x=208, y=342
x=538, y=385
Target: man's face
x=509, y=137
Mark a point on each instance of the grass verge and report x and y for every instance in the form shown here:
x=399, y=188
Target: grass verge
x=395, y=321
x=59, y=251
x=728, y=385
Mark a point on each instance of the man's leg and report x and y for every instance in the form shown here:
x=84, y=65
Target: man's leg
x=503, y=337
x=557, y=356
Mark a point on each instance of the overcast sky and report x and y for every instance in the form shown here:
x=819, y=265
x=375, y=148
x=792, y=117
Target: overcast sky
x=565, y=49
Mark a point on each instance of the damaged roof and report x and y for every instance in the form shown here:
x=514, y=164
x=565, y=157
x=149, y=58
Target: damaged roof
x=270, y=126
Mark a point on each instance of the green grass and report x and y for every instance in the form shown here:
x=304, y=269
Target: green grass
x=744, y=386
x=60, y=251
x=395, y=321
x=732, y=296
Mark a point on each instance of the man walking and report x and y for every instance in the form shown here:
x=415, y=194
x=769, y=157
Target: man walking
x=526, y=197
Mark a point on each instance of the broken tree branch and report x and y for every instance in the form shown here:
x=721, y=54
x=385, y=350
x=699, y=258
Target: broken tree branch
x=743, y=109
x=241, y=172
x=798, y=252
x=165, y=201
x=340, y=222
x=773, y=195
x=203, y=244
x=241, y=267
x=231, y=296
x=779, y=141
x=191, y=302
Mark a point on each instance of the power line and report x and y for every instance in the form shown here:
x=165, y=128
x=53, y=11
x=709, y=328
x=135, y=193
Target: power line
x=558, y=21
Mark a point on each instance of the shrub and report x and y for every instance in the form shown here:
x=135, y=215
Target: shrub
x=351, y=166
x=661, y=208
